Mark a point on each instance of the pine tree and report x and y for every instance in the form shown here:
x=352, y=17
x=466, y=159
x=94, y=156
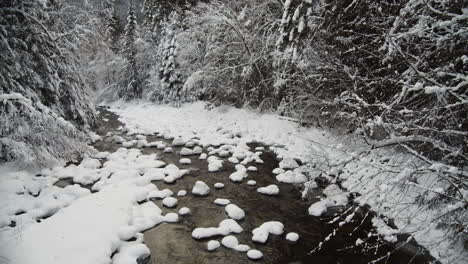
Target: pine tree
x=130, y=83
x=114, y=29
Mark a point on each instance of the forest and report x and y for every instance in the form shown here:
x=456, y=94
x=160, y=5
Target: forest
x=375, y=94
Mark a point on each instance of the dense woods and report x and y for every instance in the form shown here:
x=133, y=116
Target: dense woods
x=393, y=73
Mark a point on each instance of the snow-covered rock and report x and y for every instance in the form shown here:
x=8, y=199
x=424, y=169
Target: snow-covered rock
x=184, y=211
x=221, y=201
x=169, y=202
x=252, y=168
x=212, y=245
x=317, y=209
x=219, y=185
x=292, y=237
x=168, y=150
x=291, y=177
x=288, y=164
x=234, y=212
x=197, y=150
x=200, y=188
x=186, y=152
x=261, y=233
x=214, y=164
x=224, y=228
x=239, y=174
x=278, y=171
x=251, y=182
x=203, y=156
x=182, y=193
x=185, y=161
x=271, y=189
x=177, y=142
x=232, y=243
x=254, y=254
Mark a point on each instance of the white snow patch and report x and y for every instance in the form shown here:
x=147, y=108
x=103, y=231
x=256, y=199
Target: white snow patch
x=254, y=254
x=184, y=211
x=261, y=233
x=200, y=188
x=226, y=227
x=221, y=201
x=169, y=202
x=271, y=189
x=234, y=212
x=293, y=237
x=212, y=245
x=219, y=185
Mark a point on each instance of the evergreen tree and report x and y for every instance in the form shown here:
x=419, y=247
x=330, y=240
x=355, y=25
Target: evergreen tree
x=40, y=85
x=130, y=83
x=114, y=29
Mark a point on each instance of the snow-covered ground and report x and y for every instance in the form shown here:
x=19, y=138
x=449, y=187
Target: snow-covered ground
x=381, y=177
x=84, y=227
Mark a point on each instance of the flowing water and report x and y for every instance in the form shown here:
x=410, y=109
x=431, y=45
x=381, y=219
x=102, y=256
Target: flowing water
x=172, y=242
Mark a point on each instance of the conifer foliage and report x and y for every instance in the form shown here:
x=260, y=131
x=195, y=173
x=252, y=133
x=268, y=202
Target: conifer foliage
x=130, y=83
x=114, y=30
x=39, y=85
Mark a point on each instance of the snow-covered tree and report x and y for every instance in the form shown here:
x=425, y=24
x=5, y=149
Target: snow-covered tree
x=114, y=30
x=169, y=76
x=294, y=23
x=38, y=65
x=130, y=81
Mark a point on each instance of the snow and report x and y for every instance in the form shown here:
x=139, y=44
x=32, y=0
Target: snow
x=232, y=243
x=218, y=185
x=288, y=163
x=292, y=237
x=212, y=245
x=318, y=208
x=214, y=164
x=252, y=168
x=197, y=150
x=71, y=232
x=251, y=182
x=278, y=171
x=168, y=150
x=234, y=212
x=169, y=202
x=221, y=201
x=335, y=195
x=254, y=254
x=157, y=194
x=224, y=228
x=182, y=193
x=185, y=161
x=177, y=142
x=239, y=174
x=271, y=189
x=186, y=152
x=261, y=233
x=292, y=177
x=200, y=188
x=184, y=211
